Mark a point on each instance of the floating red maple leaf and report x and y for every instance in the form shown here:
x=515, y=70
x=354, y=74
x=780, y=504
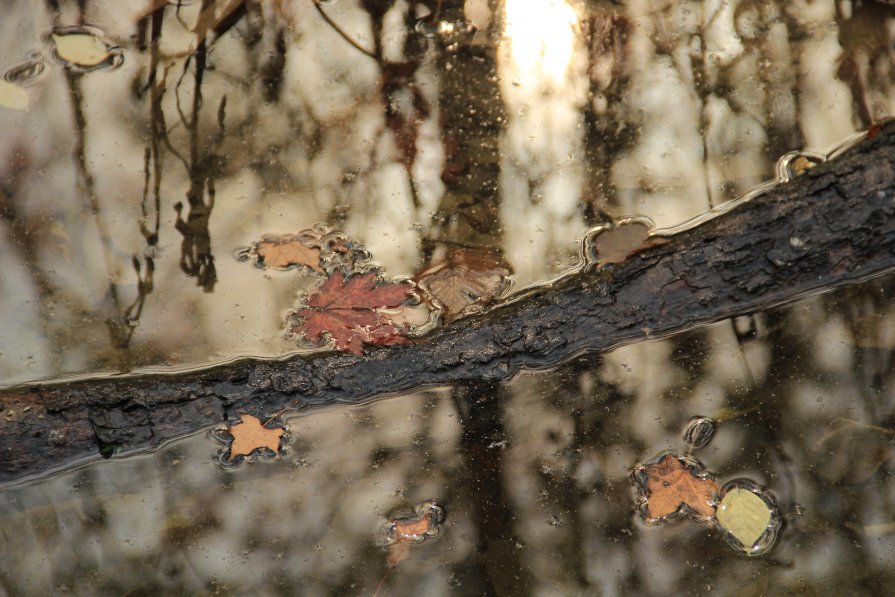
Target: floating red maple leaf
x=346, y=309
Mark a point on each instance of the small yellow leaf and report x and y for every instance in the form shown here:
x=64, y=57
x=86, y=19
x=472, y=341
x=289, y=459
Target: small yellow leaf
x=81, y=49
x=12, y=96
x=744, y=515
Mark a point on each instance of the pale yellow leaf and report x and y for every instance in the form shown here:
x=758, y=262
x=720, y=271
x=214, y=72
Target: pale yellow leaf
x=81, y=49
x=12, y=96
x=744, y=515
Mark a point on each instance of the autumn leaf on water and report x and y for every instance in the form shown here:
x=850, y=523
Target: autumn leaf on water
x=745, y=515
x=404, y=531
x=319, y=249
x=401, y=533
x=347, y=308
x=286, y=252
x=617, y=241
x=83, y=49
x=673, y=485
x=250, y=435
x=464, y=280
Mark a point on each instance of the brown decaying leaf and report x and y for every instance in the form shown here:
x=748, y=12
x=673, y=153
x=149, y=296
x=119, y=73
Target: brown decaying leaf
x=614, y=243
x=346, y=309
x=466, y=278
x=671, y=485
x=287, y=251
x=251, y=435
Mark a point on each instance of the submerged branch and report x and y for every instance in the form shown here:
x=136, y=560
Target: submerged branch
x=833, y=225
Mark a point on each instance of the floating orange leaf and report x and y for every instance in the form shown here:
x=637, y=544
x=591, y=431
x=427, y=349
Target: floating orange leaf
x=250, y=435
x=671, y=486
x=286, y=252
x=320, y=249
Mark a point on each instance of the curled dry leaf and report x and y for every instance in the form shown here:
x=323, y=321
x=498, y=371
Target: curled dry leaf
x=464, y=280
x=347, y=308
x=673, y=485
x=250, y=435
x=699, y=432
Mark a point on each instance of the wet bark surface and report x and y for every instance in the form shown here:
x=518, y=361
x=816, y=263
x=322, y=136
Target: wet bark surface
x=835, y=224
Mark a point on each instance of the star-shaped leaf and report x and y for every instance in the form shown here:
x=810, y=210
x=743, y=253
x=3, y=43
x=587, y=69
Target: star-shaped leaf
x=250, y=435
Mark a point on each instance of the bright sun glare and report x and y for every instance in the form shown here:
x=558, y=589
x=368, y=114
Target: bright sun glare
x=541, y=36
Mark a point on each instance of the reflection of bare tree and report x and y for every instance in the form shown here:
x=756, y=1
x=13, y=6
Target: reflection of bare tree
x=120, y=320
x=196, y=259
x=866, y=55
x=494, y=567
x=472, y=114
x=609, y=127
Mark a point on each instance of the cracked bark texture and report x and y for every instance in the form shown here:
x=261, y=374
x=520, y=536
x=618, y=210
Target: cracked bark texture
x=833, y=225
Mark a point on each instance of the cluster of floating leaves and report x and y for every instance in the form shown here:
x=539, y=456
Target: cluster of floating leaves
x=678, y=486
x=78, y=49
x=355, y=305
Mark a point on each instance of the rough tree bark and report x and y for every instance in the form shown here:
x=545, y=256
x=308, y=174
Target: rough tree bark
x=833, y=225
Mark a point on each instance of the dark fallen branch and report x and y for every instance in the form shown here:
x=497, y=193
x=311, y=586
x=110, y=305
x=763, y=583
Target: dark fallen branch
x=833, y=225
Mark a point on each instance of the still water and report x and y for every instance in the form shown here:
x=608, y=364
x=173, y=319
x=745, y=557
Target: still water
x=148, y=147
